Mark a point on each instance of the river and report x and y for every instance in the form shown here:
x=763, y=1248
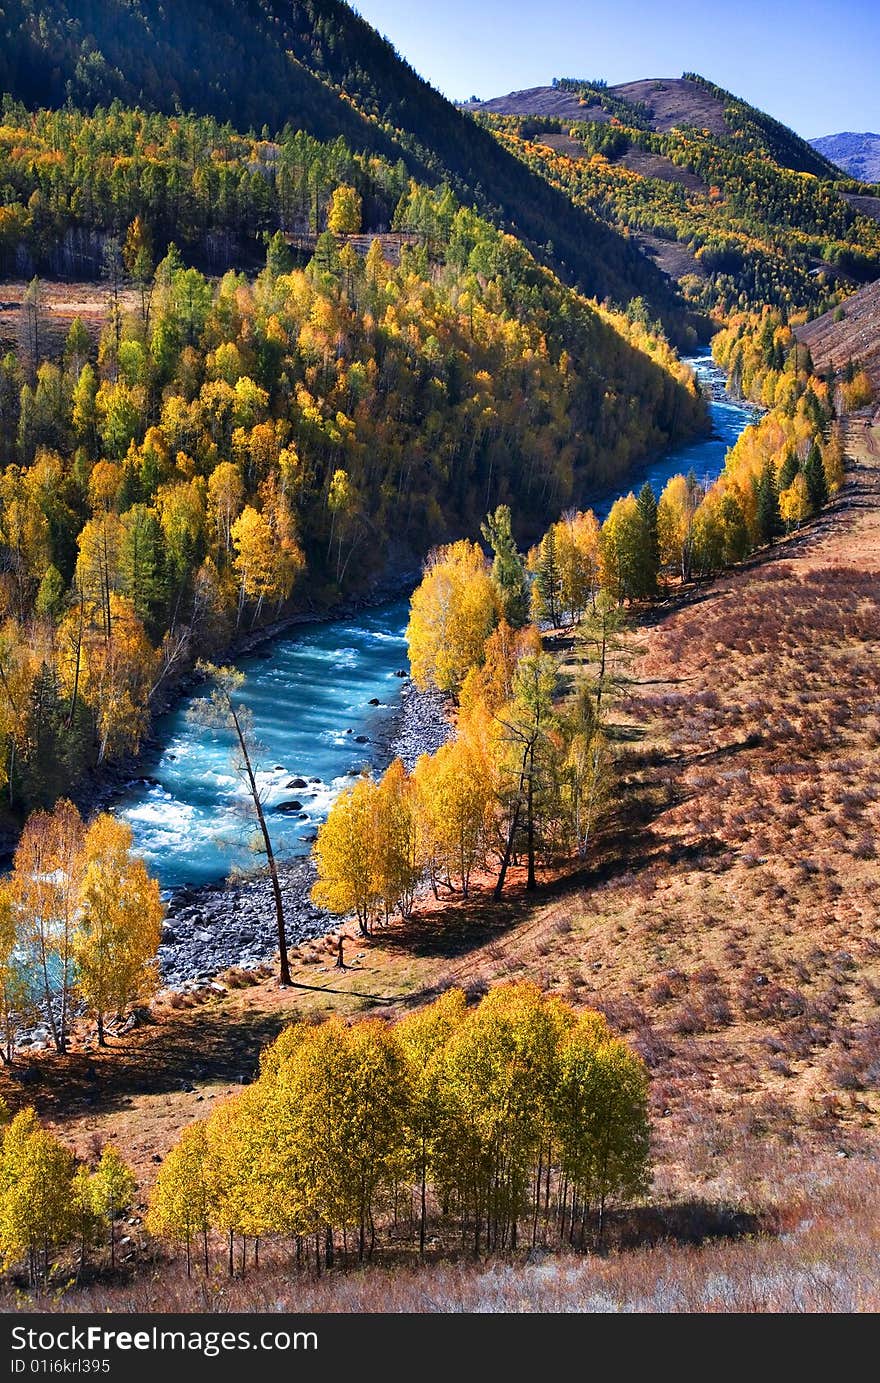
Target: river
x=310, y=693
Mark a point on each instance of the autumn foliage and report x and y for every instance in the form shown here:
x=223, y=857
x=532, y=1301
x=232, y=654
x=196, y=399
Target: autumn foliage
x=226, y=448
x=80, y=922
x=52, y=1206
x=514, y=1119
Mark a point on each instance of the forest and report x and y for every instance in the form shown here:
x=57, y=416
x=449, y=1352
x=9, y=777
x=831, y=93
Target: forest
x=317, y=68
x=227, y=445
x=759, y=227
x=72, y=183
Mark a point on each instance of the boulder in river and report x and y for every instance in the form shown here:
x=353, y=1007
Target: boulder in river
x=373, y=701
x=298, y=783
x=289, y=807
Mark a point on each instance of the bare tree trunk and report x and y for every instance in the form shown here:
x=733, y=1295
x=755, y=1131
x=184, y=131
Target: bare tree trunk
x=514, y=822
x=424, y=1202
x=508, y=850
x=531, y=881
x=79, y=638
x=284, y=973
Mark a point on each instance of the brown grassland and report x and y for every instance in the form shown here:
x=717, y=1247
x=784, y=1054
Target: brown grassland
x=727, y=926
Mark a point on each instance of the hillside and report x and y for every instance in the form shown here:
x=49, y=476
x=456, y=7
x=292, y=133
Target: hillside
x=856, y=154
x=711, y=189
x=667, y=102
x=574, y=883
x=849, y=333
x=316, y=67
x=726, y=928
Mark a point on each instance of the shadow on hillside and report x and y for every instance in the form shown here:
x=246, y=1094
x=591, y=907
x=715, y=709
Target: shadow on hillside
x=199, y=1046
x=685, y=1222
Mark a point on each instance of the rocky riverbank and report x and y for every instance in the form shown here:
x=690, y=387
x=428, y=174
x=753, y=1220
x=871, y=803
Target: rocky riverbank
x=211, y=928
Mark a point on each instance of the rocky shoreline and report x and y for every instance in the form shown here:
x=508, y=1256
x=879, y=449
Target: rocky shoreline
x=213, y=927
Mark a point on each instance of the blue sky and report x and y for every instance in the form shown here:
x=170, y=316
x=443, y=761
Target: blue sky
x=811, y=63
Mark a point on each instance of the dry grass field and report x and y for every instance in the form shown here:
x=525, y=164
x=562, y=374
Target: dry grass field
x=60, y=304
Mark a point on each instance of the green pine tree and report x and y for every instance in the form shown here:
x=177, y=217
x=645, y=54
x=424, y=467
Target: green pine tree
x=788, y=470
x=769, y=518
x=547, y=577
x=650, y=563
x=508, y=569
x=817, y=483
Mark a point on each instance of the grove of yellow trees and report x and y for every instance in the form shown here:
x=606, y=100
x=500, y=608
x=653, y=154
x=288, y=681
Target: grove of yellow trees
x=80, y=923
x=527, y=772
x=513, y=1119
x=52, y=1206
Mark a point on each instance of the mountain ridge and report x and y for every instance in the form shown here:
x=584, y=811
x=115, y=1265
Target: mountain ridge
x=662, y=104
x=857, y=153
x=320, y=67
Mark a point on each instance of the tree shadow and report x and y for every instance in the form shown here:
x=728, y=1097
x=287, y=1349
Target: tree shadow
x=689, y=1222
x=201, y=1045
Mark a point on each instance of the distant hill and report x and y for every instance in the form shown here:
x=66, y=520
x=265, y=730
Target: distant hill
x=662, y=104
x=856, y=154
x=668, y=101
x=849, y=332
x=710, y=188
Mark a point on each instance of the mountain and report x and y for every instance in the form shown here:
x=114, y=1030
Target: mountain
x=315, y=66
x=659, y=103
x=708, y=187
x=662, y=104
x=851, y=332
x=856, y=154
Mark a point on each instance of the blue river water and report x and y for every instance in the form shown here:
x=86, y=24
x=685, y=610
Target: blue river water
x=309, y=693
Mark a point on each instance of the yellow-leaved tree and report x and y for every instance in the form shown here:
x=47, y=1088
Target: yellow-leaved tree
x=112, y=1189
x=246, y=1195
x=344, y=212
x=120, y=925
x=180, y=1206
x=499, y=1071
x=397, y=854
x=36, y=1186
x=794, y=503
x=16, y=995
x=344, y=855
x=346, y=1091
x=43, y=895
x=423, y=1036
x=600, y=1117
x=452, y=613
x=456, y=795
